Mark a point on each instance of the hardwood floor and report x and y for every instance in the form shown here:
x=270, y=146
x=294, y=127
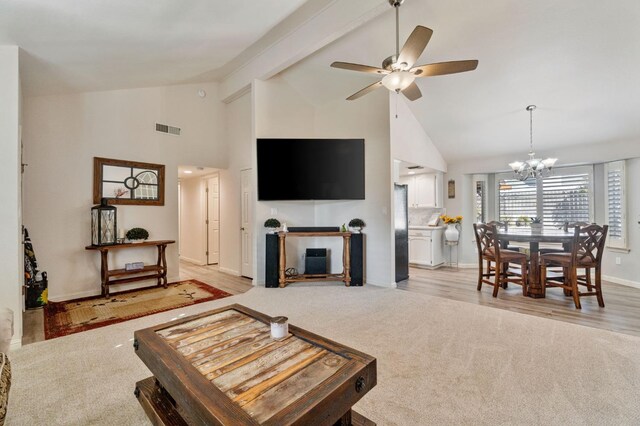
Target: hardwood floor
x=33, y=320
x=621, y=312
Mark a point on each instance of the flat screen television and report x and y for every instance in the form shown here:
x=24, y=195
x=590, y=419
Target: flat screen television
x=310, y=169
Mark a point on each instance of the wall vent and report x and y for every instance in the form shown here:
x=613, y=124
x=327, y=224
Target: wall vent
x=163, y=128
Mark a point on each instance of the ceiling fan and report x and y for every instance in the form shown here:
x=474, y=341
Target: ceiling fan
x=398, y=70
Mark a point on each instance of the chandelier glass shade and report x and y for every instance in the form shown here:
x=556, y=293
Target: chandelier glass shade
x=533, y=168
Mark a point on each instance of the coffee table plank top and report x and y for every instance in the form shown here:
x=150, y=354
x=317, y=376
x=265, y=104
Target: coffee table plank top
x=269, y=381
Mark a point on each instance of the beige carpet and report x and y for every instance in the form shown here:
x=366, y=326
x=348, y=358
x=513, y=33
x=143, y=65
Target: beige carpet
x=439, y=362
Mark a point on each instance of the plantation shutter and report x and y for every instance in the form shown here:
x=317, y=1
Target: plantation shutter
x=516, y=199
x=615, y=200
x=566, y=197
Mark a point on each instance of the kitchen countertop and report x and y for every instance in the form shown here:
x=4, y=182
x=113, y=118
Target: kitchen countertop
x=424, y=227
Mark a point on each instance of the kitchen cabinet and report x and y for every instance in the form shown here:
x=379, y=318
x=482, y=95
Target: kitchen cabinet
x=425, y=247
x=423, y=190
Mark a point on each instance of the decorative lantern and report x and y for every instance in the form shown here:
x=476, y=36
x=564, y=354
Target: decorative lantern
x=103, y=224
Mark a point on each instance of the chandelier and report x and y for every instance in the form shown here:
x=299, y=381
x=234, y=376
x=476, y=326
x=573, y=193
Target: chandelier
x=533, y=167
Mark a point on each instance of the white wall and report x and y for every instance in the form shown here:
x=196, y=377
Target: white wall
x=409, y=141
x=368, y=119
x=238, y=132
x=281, y=112
x=11, y=254
x=61, y=136
x=193, y=237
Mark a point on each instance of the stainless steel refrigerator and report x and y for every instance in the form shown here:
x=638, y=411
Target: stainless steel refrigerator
x=401, y=221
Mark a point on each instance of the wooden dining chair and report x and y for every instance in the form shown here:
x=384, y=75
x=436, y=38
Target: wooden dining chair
x=557, y=275
x=489, y=251
x=586, y=252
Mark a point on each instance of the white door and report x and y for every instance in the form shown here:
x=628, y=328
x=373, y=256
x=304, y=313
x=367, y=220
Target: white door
x=213, y=220
x=246, y=224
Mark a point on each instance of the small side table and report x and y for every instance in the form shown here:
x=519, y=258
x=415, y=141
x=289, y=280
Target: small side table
x=451, y=245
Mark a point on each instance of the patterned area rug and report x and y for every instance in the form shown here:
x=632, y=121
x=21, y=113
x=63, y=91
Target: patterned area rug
x=74, y=316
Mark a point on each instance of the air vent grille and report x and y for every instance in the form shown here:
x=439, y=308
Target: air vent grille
x=163, y=128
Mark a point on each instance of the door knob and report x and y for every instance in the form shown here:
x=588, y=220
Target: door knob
x=242, y=229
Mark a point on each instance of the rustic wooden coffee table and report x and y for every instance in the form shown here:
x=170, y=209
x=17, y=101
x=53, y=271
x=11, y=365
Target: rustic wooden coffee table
x=223, y=368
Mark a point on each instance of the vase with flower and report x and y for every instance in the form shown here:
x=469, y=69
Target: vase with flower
x=451, y=233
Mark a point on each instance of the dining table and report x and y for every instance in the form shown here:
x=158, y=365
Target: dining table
x=534, y=237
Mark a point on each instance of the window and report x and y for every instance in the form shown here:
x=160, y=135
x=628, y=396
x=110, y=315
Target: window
x=516, y=199
x=616, y=204
x=480, y=198
x=565, y=196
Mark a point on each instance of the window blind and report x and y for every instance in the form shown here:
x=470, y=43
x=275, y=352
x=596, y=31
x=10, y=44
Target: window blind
x=566, y=197
x=517, y=199
x=616, y=204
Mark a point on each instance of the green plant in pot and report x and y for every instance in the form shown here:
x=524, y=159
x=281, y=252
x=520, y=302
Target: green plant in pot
x=137, y=235
x=357, y=225
x=536, y=223
x=272, y=225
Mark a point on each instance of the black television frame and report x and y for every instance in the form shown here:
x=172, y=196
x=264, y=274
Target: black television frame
x=363, y=177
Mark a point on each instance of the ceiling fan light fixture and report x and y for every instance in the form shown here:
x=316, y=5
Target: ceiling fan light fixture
x=397, y=81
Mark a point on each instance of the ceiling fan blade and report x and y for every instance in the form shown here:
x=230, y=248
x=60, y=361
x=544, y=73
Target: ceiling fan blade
x=442, y=68
x=412, y=92
x=414, y=46
x=357, y=67
x=364, y=91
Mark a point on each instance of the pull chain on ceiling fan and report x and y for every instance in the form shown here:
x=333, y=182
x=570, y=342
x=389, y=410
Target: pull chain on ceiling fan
x=398, y=70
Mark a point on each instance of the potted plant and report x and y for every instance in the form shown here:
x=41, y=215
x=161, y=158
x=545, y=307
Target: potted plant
x=451, y=233
x=272, y=225
x=536, y=224
x=522, y=221
x=357, y=225
x=137, y=235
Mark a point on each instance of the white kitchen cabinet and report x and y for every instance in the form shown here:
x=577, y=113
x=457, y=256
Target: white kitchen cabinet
x=423, y=190
x=425, y=247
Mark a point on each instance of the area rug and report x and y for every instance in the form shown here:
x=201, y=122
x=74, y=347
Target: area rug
x=74, y=316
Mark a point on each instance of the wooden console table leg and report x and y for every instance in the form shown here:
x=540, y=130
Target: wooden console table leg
x=104, y=272
x=346, y=259
x=163, y=255
x=282, y=260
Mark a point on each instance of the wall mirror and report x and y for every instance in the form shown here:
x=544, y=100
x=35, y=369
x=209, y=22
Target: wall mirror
x=128, y=182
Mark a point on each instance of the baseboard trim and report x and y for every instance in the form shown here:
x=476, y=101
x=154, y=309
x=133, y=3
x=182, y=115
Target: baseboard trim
x=384, y=285
x=16, y=343
x=195, y=262
x=229, y=271
x=621, y=281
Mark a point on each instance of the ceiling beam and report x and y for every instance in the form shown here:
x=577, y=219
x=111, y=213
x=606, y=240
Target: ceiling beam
x=316, y=24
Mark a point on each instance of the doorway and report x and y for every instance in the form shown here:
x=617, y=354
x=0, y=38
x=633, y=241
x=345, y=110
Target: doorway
x=199, y=215
x=213, y=219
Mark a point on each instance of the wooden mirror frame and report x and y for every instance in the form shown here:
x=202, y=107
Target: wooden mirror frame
x=99, y=162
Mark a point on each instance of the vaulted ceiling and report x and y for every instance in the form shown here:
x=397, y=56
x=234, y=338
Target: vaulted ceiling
x=73, y=46
x=577, y=60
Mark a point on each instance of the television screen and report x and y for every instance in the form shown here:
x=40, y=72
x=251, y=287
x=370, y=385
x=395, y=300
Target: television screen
x=310, y=169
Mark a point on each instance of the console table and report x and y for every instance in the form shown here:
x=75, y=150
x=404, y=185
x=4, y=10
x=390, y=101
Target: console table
x=121, y=276
x=345, y=276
